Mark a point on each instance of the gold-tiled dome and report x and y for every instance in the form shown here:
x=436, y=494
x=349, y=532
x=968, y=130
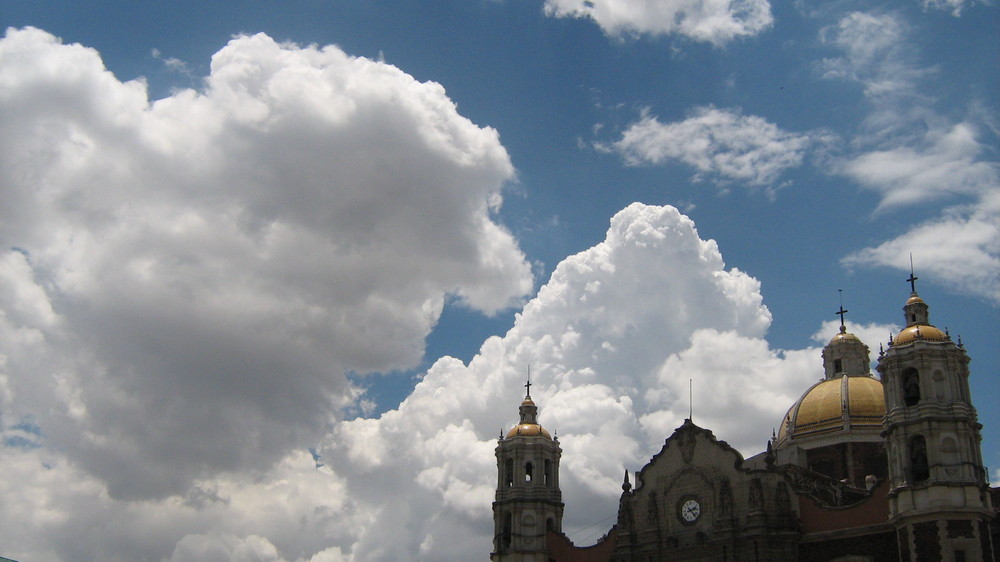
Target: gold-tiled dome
x=528, y=427
x=528, y=430
x=919, y=332
x=844, y=337
x=822, y=408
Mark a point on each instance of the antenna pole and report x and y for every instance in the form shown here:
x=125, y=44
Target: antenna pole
x=690, y=400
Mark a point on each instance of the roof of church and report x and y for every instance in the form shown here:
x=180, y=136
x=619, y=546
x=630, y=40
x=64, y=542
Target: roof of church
x=528, y=430
x=850, y=402
x=918, y=326
x=844, y=337
x=919, y=332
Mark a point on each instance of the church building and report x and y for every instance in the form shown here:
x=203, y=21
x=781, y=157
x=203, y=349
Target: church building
x=863, y=468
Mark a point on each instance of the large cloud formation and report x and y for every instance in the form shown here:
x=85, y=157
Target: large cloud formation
x=595, y=338
x=185, y=283
x=212, y=263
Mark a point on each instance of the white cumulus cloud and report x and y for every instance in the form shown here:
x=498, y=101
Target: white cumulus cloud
x=611, y=341
x=713, y=21
x=187, y=280
x=722, y=144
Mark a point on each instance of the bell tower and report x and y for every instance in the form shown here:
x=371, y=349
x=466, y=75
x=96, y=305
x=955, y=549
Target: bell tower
x=939, y=499
x=528, y=501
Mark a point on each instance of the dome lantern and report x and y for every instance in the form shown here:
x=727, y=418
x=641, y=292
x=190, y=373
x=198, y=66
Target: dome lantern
x=845, y=354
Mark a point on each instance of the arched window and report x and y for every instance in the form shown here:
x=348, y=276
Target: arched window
x=528, y=471
x=919, y=470
x=547, y=475
x=911, y=387
x=509, y=472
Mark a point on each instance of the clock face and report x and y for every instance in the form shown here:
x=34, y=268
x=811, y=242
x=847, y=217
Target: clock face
x=690, y=511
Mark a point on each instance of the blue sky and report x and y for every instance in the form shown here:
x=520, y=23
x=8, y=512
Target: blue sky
x=352, y=226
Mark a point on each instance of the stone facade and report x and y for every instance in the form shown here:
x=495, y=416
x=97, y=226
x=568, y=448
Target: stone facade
x=696, y=500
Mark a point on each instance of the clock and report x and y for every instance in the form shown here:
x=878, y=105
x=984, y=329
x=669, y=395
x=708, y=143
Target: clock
x=689, y=511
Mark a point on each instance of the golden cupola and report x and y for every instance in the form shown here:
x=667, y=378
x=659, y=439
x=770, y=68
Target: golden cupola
x=529, y=426
x=918, y=327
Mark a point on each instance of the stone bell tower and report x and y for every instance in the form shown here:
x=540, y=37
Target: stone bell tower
x=528, y=500
x=939, y=499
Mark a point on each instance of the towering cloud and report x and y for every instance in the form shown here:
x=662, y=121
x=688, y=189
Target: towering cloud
x=612, y=341
x=187, y=281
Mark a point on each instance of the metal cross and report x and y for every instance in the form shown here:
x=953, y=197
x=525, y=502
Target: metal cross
x=841, y=312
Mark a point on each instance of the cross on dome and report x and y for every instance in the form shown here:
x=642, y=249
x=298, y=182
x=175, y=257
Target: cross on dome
x=842, y=311
x=913, y=278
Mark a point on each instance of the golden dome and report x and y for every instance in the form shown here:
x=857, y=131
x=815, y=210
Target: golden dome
x=821, y=408
x=919, y=332
x=528, y=430
x=914, y=299
x=844, y=337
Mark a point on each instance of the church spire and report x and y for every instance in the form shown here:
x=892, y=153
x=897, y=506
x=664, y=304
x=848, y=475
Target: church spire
x=915, y=308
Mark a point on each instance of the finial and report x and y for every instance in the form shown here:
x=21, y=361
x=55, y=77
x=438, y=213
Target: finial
x=913, y=278
x=842, y=311
x=626, y=485
x=501, y=434
x=960, y=340
x=690, y=400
